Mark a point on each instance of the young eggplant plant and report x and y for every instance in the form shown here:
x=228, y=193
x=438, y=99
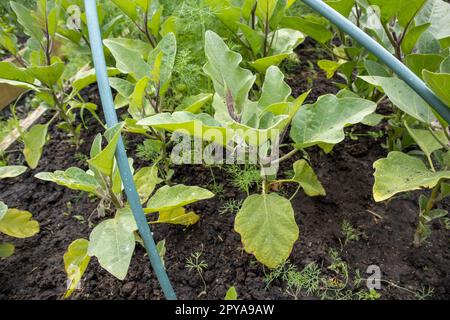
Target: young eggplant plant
x=415, y=33
x=257, y=25
x=13, y=222
x=266, y=221
x=401, y=172
x=41, y=71
x=113, y=240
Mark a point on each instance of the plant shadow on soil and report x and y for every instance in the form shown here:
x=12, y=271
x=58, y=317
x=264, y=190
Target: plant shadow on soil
x=36, y=270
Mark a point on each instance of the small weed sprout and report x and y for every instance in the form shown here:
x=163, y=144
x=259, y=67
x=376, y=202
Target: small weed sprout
x=244, y=178
x=231, y=206
x=194, y=262
x=349, y=232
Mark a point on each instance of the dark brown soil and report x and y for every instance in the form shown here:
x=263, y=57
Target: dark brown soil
x=36, y=270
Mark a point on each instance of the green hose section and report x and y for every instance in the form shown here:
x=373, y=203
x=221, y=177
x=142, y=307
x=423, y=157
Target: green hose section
x=381, y=53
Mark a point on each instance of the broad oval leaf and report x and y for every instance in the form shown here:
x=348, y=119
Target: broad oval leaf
x=167, y=198
x=324, y=121
x=11, y=171
x=267, y=227
x=178, y=216
x=128, y=61
x=440, y=84
x=18, y=224
x=113, y=242
x=400, y=172
x=76, y=260
x=48, y=75
x=405, y=98
x=146, y=180
x=73, y=178
x=223, y=68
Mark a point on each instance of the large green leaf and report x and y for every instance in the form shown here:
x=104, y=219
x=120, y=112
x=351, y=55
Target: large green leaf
x=223, y=68
x=8, y=41
x=76, y=260
x=193, y=124
x=316, y=31
x=403, y=97
x=267, y=227
x=28, y=21
x=439, y=83
x=400, y=172
x=167, y=198
x=49, y=75
x=11, y=171
x=146, y=180
x=6, y=250
x=18, y=224
x=261, y=65
x=274, y=89
x=324, y=121
x=104, y=160
x=34, y=141
x=10, y=71
x=437, y=13
x=425, y=139
x=128, y=7
x=404, y=10
x=128, y=61
x=73, y=178
x=419, y=62
x=85, y=78
x=113, y=242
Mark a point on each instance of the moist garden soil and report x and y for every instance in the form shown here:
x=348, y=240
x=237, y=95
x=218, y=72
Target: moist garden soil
x=36, y=270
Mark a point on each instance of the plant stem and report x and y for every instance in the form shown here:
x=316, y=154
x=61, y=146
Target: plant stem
x=446, y=147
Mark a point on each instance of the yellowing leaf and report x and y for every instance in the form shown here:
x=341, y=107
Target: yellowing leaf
x=400, y=172
x=167, y=198
x=76, y=260
x=178, y=216
x=11, y=171
x=18, y=224
x=267, y=227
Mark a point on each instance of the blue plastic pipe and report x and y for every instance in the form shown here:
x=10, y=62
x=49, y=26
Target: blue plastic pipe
x=95, y=39
x=385, y=56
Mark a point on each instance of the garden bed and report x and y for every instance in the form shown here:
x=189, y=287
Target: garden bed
x=385, y=230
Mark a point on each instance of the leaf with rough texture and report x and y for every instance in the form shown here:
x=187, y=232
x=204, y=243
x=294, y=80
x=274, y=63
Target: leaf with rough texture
x=324, y=121
x=11, y=171
x=76, y=260
x=437, y=13
x=6, y=250
x=34, y=141
x=304, y=175
x=274, y=89
x=402, y=96
x=128, y=61
x=73, y=178
x=168, y=47
x=223, y=68
x=186, y=121
x=28, y=21
x=18, y=224
x=167, y=198
x=267, y=227
x=400, y=172
x=113, y=242
x=85, y=78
